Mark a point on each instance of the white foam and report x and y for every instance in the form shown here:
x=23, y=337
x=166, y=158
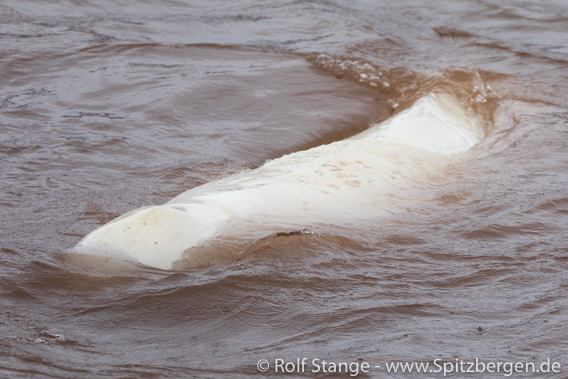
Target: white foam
x=360, y=176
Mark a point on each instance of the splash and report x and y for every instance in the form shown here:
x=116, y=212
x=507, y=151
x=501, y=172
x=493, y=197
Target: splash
x=406, y=86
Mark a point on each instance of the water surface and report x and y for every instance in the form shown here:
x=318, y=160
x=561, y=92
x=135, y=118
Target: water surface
x=107, y=106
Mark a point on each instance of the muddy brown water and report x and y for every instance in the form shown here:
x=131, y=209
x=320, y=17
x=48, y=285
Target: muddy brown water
x=108, y=106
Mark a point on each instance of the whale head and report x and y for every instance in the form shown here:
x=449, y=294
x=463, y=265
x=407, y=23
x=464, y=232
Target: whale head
x=155, y=236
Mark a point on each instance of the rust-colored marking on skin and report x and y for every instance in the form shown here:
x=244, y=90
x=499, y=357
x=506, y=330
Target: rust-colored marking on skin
x=352, y=182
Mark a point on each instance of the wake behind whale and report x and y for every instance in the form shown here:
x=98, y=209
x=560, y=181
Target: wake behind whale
x=362, y=176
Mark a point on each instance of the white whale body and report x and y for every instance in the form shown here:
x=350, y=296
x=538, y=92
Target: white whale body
x=361, y=176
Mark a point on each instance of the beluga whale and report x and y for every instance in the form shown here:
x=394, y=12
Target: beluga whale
x=358, y=177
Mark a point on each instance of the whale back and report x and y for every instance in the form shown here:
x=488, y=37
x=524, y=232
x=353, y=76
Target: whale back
x=436, y=123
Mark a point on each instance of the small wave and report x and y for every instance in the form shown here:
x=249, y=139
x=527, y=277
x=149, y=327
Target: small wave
x=444, y=31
